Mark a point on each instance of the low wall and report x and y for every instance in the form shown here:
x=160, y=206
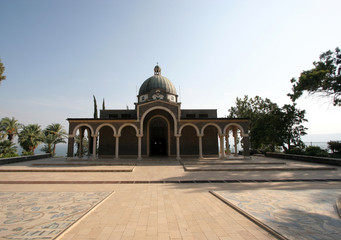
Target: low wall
x=23, y=158
x=304, y=158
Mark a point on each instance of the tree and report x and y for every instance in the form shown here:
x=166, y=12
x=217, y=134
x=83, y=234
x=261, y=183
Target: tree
x=30, y=137
x=335, y=146
x=52, y=135
x=95, y=108
x=270, y=125
x=7, y=148
x=103, y=105
x=2, y=70
x=9, y=127
x=292, y=120
x=324, y=79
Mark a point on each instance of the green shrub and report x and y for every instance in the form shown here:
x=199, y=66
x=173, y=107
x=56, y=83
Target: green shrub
x=296, y=151
x=25, y=153
x=335, y=146
x=316, y=151
x=9, y=155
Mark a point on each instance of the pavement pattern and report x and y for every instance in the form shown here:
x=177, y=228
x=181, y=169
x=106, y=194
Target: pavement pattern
x=158, y=199
x=43, y=215
x=303, y=214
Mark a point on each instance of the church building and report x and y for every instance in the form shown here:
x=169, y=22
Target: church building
x=159, y=127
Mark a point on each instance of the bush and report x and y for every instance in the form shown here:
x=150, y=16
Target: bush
x=316, y=151
x=296, y=151
x=9, y=155
x=25, y=153
x=335, y=146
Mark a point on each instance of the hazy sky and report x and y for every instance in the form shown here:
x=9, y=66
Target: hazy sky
x=58, y=54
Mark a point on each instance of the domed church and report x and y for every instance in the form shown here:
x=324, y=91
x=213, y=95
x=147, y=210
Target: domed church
x=159, y=127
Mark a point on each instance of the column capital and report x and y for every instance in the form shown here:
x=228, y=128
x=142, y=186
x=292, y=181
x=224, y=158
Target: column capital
x=117, y=135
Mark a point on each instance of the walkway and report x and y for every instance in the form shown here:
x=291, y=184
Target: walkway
x=155, y=199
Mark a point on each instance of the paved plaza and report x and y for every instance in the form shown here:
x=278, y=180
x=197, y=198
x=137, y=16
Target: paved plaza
x=161, y=198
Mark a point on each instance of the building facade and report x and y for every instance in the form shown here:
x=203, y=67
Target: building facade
x=159, y=127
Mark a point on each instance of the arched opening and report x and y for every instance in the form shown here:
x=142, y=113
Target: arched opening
x=210, y=146
x=158, y=137
x=233, y=141
x=106, y=144
x=128, y=142
x=189, y=141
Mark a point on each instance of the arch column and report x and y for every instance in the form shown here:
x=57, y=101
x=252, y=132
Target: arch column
x=94, y=146
x=70, y=147
x=139, y=137
x=246, y=146
x=178, y=147
x=235, y=142
x=117, y=138
x=81, y=135
x=228, y=152
x=222, y=152
x=200, y=146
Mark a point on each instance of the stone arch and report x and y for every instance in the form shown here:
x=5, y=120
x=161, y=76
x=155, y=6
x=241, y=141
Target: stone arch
x=156, y=108
x=192, y=125
x=211, y=124
x=125, y=125
x=189, y=140
x=105, y=124
x=230, y=125
x=83, y=125
x=168, y=133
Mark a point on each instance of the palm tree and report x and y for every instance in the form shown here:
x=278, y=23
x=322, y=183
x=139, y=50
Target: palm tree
x=54, y=134
x=9, y=127
x=2, y=70
x=7, y=148
x=30, y=137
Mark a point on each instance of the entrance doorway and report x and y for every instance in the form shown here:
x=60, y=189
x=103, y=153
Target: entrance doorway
x=158, y=137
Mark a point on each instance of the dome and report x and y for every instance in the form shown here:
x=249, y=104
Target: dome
x=157, y=82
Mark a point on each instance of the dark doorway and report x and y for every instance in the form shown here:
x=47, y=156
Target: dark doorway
x=158, y=135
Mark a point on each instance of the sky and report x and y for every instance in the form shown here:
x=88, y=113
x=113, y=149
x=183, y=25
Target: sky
x=58, y=54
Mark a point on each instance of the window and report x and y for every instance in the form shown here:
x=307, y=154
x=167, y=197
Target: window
x=190, y=115
x=203, y=115
x=113, y=115
x=126, y=116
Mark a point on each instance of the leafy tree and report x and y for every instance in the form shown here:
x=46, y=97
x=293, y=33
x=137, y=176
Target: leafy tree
x=95, y=108
x=52, y=135
x=9, y=127
x=30, y=137
x=85, y=144
x=270, y=126
x=324, y=79
x=291, y=125
x=7, y=149
x=335, y=146
x=2, y=70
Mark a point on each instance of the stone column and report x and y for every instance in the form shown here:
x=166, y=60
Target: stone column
x=117, y=146
x=178, y=148
x=246, y=146
x=139, y=147
x=200, y=146
x=81, y=135
x=235, y=142
x=222, y=152
x=228, y=152
x=70, y=146
x=94, y=146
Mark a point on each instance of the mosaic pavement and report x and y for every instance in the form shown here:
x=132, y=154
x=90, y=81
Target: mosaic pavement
x=43, y=215
x=295, y=214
